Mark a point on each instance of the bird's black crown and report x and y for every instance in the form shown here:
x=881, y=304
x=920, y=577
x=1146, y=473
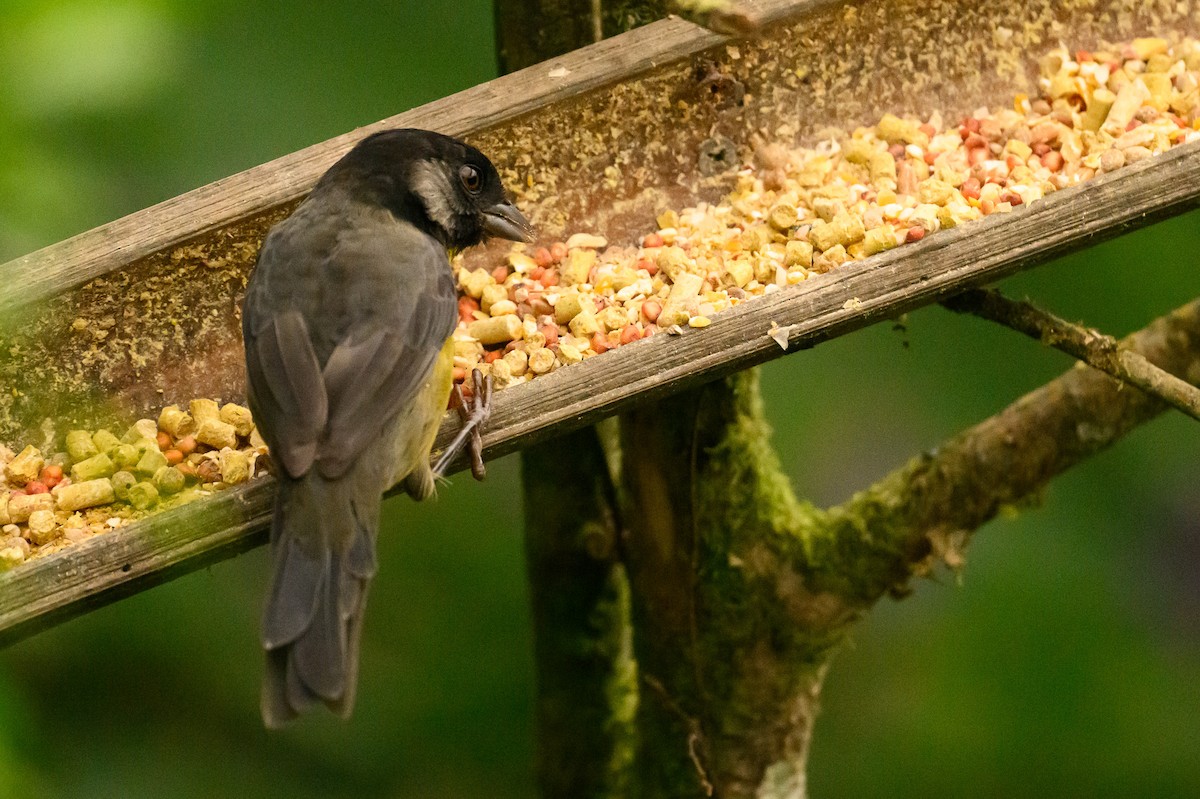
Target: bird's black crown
x=446, y=187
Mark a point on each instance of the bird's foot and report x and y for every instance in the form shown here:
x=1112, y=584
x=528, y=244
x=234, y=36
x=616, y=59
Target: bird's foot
x=474, y=413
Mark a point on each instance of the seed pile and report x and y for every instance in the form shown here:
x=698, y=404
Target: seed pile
x=100, y=481
x=792, y=213
x=798, y=212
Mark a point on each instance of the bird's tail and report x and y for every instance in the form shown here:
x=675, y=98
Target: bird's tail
x=322, y=560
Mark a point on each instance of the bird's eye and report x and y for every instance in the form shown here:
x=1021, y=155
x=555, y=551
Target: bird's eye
x=471, y=179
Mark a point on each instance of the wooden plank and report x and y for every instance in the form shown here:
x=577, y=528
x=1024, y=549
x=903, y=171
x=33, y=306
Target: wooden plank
x=73, y=262
x=77, y=579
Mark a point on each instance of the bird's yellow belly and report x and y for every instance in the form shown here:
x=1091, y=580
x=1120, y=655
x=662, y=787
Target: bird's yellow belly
x=417, y=425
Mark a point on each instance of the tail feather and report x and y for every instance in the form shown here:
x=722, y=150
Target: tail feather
x=319, y=653
x=295, y=591
x=323, y=557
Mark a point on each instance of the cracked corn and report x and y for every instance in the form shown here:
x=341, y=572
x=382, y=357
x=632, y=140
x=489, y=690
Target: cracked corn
x=99, y=481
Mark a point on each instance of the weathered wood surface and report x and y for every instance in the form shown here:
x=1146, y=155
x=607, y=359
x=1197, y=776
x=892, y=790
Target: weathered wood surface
x=108, y=567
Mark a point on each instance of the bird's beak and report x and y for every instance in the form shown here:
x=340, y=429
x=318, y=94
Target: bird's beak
x=504, y=221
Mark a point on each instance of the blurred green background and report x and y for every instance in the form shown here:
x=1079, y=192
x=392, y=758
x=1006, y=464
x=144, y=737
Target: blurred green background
x=1064, y=662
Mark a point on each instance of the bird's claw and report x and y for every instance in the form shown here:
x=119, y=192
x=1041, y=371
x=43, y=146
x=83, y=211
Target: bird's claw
x=473, y=413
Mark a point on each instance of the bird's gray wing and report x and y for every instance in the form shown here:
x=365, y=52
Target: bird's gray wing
x=287, y=391
x=369, y=382
x=401, y=305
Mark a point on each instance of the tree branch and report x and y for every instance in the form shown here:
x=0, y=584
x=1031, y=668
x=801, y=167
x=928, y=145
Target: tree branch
x=741, y=593
x=731, y=646
x=1090, y=346
x=924, y=511
x=586, y=683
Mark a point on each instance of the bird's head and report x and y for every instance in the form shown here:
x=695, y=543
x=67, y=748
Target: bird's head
x=444, y=186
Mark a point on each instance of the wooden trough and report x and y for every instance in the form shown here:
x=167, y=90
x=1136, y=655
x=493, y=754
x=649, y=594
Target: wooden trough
x=109, y=326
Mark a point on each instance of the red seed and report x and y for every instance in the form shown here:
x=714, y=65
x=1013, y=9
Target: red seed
x=1053, y=160
x=52, y=473
x=630, y=334
x=970, y=188
x=491, y=356
x=987, y=206
x=500, y=274
x=558, y=251
x=466, y=307
x=915, y=234
x=36, y=487
x=927, y=129
x=649, y=265
x=459, y=373
x=649, y=331
x=550, y=278
x=897, y=151
x=974, y=140
x=652, y=240
x=650, y=310
x=930, y=157
x=542, y=257
x=599, y=343
x=551, y=334
x=186, y=445
x=1084, y=55
x=164, y=440
x=209, y=471
x=188, y=470
x=174, y=457
x=1133, y=123
x=537, y=272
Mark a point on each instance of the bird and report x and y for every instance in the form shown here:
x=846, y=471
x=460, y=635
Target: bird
x=347, y=326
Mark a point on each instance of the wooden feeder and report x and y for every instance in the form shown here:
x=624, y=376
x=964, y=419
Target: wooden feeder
x=109, y=326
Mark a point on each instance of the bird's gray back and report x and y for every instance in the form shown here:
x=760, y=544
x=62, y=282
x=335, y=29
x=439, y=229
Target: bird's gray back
x=349, y=269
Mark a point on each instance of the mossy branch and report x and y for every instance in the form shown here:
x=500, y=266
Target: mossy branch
x=923, y=511
x=731, y=645
x=741, y=593
x=586, y=692
x=1090, y=346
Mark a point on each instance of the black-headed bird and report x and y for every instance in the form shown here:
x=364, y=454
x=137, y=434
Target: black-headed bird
x=348, y=325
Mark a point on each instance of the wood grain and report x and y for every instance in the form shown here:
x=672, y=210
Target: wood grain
x=50, y=590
